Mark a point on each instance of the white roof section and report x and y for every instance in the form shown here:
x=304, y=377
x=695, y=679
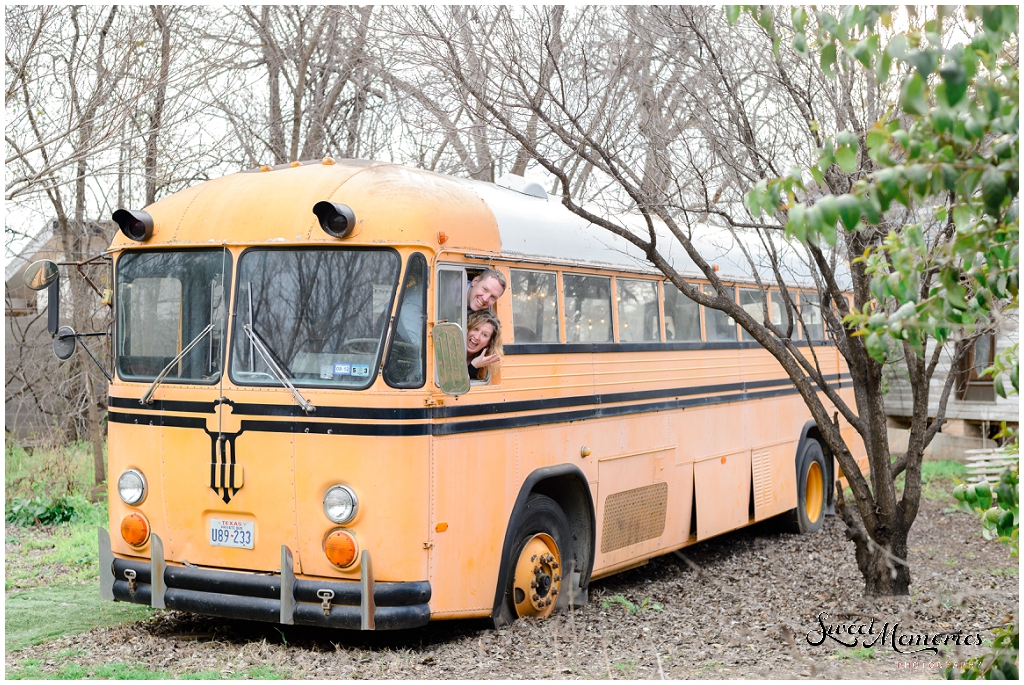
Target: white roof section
x=543, y=229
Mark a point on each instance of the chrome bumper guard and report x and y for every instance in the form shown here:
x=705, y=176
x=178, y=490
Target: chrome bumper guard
x=275, y=598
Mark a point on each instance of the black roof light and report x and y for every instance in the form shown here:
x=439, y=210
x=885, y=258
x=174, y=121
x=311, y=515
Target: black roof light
x=336, y=220
x=137, y=225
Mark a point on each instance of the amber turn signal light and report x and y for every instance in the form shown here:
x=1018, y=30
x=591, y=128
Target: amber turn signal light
x=341, y=548
x=135, y=529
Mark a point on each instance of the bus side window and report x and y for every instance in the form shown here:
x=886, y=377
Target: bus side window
x=451, y=295
x=682, y=316
x=534, y=306
x=404, y=366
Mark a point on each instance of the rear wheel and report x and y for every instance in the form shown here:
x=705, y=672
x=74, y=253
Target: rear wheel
x=812, y=490
x=543, y=545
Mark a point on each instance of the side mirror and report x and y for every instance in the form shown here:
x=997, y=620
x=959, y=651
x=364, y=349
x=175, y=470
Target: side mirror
x=64, y=343
x=41, y=274
x=45, y=275
x=450, y=358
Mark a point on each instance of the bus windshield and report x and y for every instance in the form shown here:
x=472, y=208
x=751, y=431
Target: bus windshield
x=320, y=315
x=165, y=300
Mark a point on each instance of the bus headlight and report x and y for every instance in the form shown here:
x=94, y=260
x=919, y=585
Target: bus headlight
x=341, y=504
x=131, y=486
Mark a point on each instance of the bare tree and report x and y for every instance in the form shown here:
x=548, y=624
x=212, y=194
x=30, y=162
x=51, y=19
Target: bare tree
x=669, y=115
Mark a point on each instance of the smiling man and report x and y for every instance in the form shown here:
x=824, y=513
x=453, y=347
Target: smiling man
x=484, y=290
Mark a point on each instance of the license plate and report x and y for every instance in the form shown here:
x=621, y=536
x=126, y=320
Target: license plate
x=232, y=533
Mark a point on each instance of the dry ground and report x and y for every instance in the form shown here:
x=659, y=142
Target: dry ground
x=742, y=607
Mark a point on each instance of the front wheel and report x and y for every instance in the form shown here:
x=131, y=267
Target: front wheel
x=543, y=545
x=812, y=490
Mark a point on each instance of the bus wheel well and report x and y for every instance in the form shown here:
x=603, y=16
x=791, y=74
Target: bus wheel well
x=568, y=487
x=568, y=492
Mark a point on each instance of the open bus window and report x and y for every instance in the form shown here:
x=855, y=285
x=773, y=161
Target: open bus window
x=534, y=306
x=164, y=300
x=321, y=314
x=720, y=327
x=404, y=365
x=588, y=311
x=637, y=303
x=682, y=316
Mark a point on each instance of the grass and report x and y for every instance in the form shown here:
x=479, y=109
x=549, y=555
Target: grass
x=31, y=669
x=63, y=470
x=46, y=613
x=858, y=653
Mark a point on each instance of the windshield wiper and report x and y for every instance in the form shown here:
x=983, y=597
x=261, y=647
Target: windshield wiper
x=268, y=358
x=148, y=397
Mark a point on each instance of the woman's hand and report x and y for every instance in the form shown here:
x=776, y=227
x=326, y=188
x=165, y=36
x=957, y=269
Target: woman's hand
x=480, y=361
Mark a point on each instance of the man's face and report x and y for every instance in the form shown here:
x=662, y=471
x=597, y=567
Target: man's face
x=483, y=293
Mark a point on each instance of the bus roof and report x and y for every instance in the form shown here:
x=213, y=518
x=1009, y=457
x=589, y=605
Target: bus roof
x=395, y=204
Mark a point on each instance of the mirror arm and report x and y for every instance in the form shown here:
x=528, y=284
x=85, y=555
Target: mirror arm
x=86, y=262
x=92, y=356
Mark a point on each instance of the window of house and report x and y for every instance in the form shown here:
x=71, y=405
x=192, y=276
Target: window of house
x=975, y=357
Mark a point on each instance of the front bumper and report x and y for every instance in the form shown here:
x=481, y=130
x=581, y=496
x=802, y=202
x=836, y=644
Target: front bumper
x=275, y=598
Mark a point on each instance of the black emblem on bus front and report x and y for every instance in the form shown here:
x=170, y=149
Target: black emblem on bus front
x=225, y=475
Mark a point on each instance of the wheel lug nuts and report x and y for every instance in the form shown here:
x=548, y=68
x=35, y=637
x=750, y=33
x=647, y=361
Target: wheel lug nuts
x=536, y=597
x=533, y=558
x=533, y=583
x=536, y=569
x=554, y=565
x=554, y=592
x=557, y=578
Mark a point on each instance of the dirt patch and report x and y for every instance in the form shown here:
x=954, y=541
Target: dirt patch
x=739, y=606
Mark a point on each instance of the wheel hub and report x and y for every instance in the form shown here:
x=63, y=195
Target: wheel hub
x=538, y=577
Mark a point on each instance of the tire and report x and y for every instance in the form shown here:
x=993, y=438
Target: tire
x=541, y=554
x=811, y=490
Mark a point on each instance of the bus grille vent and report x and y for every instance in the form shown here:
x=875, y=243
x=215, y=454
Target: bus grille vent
x=634, y=516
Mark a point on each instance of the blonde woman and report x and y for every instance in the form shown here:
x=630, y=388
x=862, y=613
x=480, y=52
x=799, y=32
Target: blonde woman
x=483, y=344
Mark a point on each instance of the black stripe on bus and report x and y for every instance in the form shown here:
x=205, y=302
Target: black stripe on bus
x=168, y=420
x=165, y=405
x=456, y=427
x=450, y=412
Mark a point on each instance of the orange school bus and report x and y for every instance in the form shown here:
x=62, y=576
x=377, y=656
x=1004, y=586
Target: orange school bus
x=293, y=438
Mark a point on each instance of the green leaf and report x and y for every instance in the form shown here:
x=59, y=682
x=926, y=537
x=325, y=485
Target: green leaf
x=954, y=76
x=829, y=207
x=918, y=176
x=849, y=211
x=800, y=44
x=828, y=23
x=924, y=61
x=732, y=13
x=875, y=347
x=828, y=60
x=796, y=224
x=846, y=158
x=882, y=67
x=993, y=190
x=912, y=98
x=799, y=18
x=862, y=53
x=897, y=47
x=956, y=296
x=949, y=176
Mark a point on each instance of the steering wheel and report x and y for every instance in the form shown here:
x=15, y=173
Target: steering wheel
x=360, y=346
